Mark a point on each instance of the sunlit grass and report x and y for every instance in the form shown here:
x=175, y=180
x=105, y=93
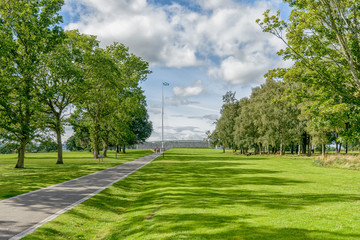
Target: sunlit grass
x=41, y=171
x=204, y=194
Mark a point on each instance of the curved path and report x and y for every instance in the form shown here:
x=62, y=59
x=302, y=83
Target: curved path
x=21, y=215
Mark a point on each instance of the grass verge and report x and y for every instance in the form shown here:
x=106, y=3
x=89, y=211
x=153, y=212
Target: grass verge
x=204, y=194
x=41, y=171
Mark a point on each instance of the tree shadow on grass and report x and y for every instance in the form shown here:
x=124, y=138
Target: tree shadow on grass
x=213, y=226
x=205, y=199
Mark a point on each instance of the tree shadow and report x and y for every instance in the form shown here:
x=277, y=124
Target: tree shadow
x=194, y=198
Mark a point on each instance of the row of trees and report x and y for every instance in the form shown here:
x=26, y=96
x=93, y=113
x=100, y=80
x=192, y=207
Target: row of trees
x=314, y=102
x=45, y=70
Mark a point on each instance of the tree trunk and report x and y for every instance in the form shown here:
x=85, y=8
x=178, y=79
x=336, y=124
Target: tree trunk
x=323, y=150
x=346, y=148
x=21, y=154
x=59, y=146
x=223, y=150
x=309, y=152
x=305, y=143
x=260, y=150
x=268, y=149
x=340, y=148
x=96, y=147
x=292, y=148
x=299, y=149
x=337, y=147
x=123, y=150
x=105, y=150
x=281, y=149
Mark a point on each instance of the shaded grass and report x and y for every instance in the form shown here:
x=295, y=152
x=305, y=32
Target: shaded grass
x=204, y=194
x=41, y=171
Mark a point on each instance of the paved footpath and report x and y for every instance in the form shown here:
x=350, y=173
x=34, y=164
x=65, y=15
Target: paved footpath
x=21, y=215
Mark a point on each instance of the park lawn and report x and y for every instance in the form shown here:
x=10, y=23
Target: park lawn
x=41, y=171
x=205, y=194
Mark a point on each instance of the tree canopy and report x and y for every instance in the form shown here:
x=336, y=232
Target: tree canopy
x=46, y=71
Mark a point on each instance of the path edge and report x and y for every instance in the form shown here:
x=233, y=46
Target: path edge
x=48, y=219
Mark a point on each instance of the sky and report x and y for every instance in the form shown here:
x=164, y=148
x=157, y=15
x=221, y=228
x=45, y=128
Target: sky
x=202, y=48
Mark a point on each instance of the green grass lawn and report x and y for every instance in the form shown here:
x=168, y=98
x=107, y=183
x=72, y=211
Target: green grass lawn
x=41, y=171
x=204, y=194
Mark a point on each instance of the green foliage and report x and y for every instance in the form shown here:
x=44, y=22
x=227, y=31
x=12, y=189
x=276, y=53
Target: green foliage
x=8, y=148
x=112, y=106
x=322, y=39
x=264, y=120
x=61, y=80
x=74, y=144
x=44, y=146
x=29, y=30
x=225, y=125
x=44, y=71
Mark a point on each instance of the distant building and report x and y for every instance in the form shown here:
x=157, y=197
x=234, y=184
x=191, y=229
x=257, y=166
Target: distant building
x=175, y=144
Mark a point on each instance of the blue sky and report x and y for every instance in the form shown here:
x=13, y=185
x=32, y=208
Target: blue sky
x=203, y=48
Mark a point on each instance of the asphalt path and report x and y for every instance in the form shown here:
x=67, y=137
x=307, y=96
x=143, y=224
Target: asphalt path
x=22, y=214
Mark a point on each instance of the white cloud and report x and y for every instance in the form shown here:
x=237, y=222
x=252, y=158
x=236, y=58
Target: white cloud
x=149, y=31
x=195, y=90
x=173, y=35
x=235, y=71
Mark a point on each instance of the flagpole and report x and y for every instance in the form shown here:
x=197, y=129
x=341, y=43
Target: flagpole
x=162, y=117
x=162, y=114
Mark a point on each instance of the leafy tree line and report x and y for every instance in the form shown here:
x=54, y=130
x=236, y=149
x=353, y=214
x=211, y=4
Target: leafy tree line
x=275, y=119
x=45, y=71
x=314, y=102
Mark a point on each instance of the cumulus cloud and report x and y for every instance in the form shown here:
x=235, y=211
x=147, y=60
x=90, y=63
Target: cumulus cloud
x=235, y=71
x=184, y=133
x=190, y=91
x=150, y=31
x=175, y=35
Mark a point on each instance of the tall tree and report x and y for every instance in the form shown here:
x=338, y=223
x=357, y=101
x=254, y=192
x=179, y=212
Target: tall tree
x=322, y=36
x=28, y=29
x=61, y=81
x=225, y=125
x=112, y=82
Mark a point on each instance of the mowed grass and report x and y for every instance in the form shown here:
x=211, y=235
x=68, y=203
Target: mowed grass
x=41, y=171
x=204, y=194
